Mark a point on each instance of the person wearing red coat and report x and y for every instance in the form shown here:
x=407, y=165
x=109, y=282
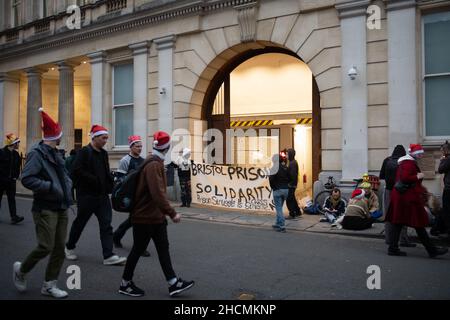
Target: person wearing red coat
x=407, y=208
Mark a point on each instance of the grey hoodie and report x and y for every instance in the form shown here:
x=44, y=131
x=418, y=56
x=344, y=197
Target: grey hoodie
x=44, y=173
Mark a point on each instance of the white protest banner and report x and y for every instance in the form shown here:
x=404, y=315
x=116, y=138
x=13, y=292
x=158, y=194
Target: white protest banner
x=232, y=187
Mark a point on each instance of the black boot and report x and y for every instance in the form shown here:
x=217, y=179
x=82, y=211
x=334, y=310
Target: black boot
x=396, y=252
x=16, y=219
x=437, y=251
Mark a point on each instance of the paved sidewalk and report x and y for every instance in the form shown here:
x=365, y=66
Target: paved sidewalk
x=308, y=223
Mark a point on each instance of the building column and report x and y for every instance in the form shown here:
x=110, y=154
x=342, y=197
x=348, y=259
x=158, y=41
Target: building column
x=165, y=74
x=9, y=104
x=354, y=92
x=140, y=87
x=97, y=61
x=34, y=102
x=403, y=114
x=66, y=107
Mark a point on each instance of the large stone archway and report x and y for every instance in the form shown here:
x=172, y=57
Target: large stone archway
x=313, y=37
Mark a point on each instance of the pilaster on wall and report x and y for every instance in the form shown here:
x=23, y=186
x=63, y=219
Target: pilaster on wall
x=403, y=113
x=354, y=92
x=9, y=104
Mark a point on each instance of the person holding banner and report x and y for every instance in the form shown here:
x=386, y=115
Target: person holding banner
x=183, y=163
x=279, y=182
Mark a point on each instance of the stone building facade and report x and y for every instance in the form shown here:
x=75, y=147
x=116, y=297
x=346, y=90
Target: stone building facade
x=172, y=56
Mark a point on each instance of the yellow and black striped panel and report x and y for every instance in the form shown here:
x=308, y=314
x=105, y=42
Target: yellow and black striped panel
x=252, y=123
x=304, y=121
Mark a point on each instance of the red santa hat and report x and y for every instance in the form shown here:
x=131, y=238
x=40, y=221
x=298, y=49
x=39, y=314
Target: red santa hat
x=358, y=194
x=97, y=130
x=161, y=140
x=52, y=130
x=133, y=139
x=415, y=149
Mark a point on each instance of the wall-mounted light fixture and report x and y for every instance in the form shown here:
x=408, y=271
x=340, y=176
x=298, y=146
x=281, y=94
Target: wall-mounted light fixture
x=352, y=73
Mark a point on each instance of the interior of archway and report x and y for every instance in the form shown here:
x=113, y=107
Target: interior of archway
x=272, y=91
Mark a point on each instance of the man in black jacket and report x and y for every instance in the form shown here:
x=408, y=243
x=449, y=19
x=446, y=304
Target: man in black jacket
x=444, y=168
x=279, y=182
x=9, y=173
x=291, y=202
x=93, y=183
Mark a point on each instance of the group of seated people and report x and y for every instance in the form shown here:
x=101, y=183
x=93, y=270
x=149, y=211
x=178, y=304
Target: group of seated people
x=360, y=213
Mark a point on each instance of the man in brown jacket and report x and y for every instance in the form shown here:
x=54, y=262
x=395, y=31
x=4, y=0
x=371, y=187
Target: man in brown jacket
x=148, y=218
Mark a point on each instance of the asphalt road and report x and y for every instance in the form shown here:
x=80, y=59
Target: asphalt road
x=227, y=261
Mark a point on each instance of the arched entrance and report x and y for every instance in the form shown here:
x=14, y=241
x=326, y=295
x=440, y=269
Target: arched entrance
x=217, y=107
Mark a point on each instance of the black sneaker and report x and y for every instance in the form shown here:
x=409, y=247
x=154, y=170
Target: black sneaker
x=437, y=251
x=396, y=252
x=131, y=290
x=180, y=286
x=145, y=254
x=16, y=219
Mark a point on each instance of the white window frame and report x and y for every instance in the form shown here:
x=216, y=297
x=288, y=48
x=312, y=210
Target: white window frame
x=425, y=76
x=119, y=147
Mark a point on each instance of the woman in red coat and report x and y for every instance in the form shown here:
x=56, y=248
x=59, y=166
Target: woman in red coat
x=407, y=207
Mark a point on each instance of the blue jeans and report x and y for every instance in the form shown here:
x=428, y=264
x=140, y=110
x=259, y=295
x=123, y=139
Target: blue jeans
x=279, y=197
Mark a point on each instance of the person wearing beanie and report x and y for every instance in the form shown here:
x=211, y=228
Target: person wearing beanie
x=9, y=173
x=372, y=199
x=291, y=201
x=128, y=164
x=148, y=218
x=444, y=168
x=44, y=174
x=183, y=163
x=93, y=183
x=357, y=215
x=407, y=206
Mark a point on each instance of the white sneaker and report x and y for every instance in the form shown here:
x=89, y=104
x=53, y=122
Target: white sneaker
x=114, y=260
x=50, y=289
x=70, y=254
x=19, y=278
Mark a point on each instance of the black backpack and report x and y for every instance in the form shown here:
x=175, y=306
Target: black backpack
x=122, y=197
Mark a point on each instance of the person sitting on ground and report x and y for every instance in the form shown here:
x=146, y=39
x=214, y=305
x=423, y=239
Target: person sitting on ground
x=334, y=206
x=357, y=215
x=372, y=201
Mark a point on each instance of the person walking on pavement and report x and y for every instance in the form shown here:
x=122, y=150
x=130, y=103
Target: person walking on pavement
x=149, y=220
x=93, y=183
x=444, y=168
x=45, y=175
x=407, y=205
x=388, y=173
x=127, y=164
x=183, y=163
x=291, y=202
x=279, y=182
x=9, y=173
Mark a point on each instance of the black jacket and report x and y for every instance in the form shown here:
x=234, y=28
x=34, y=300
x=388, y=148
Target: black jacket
x=293, y=169
x=390, y=164
x=444, y=167
x=91, y=173
x=9, y=165
x=280, y=180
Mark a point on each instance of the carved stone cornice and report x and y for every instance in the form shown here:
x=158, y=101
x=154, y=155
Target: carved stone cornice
x=349, y=9
x=138, y=19
x=392, y=5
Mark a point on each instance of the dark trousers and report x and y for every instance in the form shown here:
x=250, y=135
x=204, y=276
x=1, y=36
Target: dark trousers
x=122, y=229
x=186, y=194
x=357, y=223
x=421, y=234
x=446, y=210
x=10, y=188
x=291, y=203
x=142, y=233
x=101, y=207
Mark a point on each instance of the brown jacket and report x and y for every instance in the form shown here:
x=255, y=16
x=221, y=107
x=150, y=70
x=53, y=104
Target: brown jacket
x=151, y=204
x=357, y=208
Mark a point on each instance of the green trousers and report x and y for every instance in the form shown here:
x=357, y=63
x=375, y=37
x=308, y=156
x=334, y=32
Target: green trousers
x=51, y=231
